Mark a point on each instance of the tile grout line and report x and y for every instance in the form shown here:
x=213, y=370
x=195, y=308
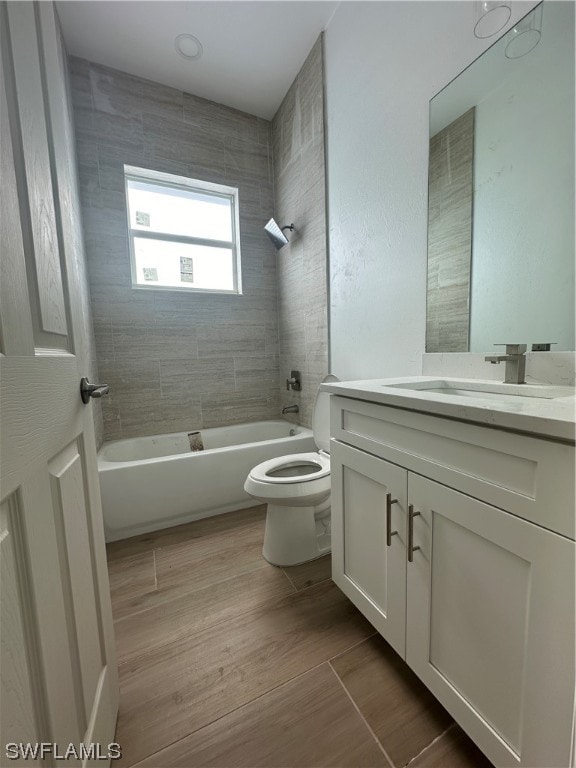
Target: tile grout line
x=187, y=593
x=247, y=612
x=158, y=546
x=366, y=723
x=215, y=583
x=342, y=653
x=236, y=709
x=440, y=735
x=165, y=645
x=294, y=587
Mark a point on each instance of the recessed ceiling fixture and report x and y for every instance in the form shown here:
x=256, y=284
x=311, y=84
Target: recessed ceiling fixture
x=525, y=35
x=491, y=16
x=188, y=46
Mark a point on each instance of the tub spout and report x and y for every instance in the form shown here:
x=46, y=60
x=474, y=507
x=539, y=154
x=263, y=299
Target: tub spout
x=290, y=409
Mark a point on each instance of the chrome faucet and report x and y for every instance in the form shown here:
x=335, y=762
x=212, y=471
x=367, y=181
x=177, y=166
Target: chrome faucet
x=515, y=360
x=290, y=409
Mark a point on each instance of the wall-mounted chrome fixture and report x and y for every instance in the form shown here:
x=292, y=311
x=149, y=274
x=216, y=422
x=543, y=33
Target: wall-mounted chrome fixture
x=525, y=35
x=515, y=359
x=294, y=382
x=490, y=16
x=276, y=233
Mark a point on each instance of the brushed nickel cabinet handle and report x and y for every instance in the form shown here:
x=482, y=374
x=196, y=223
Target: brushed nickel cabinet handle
x=389, y=531
x=411, y=547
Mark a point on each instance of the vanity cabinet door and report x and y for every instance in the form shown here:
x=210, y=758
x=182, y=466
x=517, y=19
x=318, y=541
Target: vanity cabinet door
x=368, y=556
x=490, y=624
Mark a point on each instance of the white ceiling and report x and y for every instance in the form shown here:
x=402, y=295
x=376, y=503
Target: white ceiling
x=252, y=50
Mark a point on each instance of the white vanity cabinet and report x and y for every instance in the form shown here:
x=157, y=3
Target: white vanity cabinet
x=369, y=538
x=482, y=605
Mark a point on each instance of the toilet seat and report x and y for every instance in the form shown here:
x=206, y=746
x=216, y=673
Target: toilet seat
x=296, y=490
x=319, y=468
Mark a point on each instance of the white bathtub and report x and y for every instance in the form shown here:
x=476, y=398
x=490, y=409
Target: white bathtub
x=148, y=483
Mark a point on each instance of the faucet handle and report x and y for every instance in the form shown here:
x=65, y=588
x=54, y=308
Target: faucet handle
x=513, y=349
x=543, y=346
x=294, y=382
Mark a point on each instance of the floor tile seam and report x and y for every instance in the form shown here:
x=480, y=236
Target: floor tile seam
x=257, y=525
x=366, y=723
x=310, y=586
x=434, y=740
x=230, y=712
x=166, y=645
x=294, y=587
x=355, y=645
x=155, y=548
x=223, y=581
x=125, y=558
x=255, y=609
x=185, y=594
x=155, y=570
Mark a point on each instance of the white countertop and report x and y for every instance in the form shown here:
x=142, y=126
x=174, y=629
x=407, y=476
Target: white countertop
x=550, y=418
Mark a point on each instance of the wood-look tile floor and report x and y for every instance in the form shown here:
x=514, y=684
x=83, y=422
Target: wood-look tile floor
x=227, y=661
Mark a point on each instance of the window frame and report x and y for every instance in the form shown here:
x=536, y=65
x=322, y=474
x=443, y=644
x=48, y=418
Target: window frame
x=173, y=181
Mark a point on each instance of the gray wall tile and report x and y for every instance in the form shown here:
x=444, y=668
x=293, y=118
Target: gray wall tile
x=174, y=361
x=149, y=341
x=174, y=140
x=247, y=159
x=236, y=408
x=216, y=118
x=185, y=361
x=298, y=152
x=197, y=377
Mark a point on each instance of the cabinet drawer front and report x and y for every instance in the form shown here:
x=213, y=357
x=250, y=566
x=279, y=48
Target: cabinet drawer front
x=490, y=624
x=526, y=476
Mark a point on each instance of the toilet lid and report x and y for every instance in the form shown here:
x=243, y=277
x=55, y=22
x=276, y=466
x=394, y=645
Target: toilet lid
x=321, y=416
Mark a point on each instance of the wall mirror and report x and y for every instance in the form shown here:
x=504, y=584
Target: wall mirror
x=501, y=193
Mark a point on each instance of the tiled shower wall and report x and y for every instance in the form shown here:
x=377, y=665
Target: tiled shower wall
x=175, y=361
x=298, y=147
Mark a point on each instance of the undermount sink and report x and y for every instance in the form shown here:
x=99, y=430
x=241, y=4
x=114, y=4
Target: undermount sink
x=483, y=389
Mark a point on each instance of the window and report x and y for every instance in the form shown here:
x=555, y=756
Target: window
x=183, y=233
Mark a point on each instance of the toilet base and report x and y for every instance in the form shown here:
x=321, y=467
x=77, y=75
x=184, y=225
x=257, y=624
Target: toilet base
x=296, y=535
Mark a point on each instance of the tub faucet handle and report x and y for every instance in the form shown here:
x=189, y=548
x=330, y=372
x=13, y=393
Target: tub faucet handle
x=294, y=382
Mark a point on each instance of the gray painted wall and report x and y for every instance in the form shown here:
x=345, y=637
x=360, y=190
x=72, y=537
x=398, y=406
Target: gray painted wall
x=175, y=361
x=298, y=146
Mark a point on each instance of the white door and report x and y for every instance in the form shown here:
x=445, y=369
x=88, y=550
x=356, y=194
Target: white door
x=369, y=538
x=490, y=624
x=58, y=670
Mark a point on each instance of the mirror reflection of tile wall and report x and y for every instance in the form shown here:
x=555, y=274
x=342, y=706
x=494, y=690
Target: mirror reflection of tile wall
x=521, y=250
x=450, y=235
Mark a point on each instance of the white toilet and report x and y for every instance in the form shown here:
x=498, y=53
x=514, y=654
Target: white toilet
x=297, y=490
